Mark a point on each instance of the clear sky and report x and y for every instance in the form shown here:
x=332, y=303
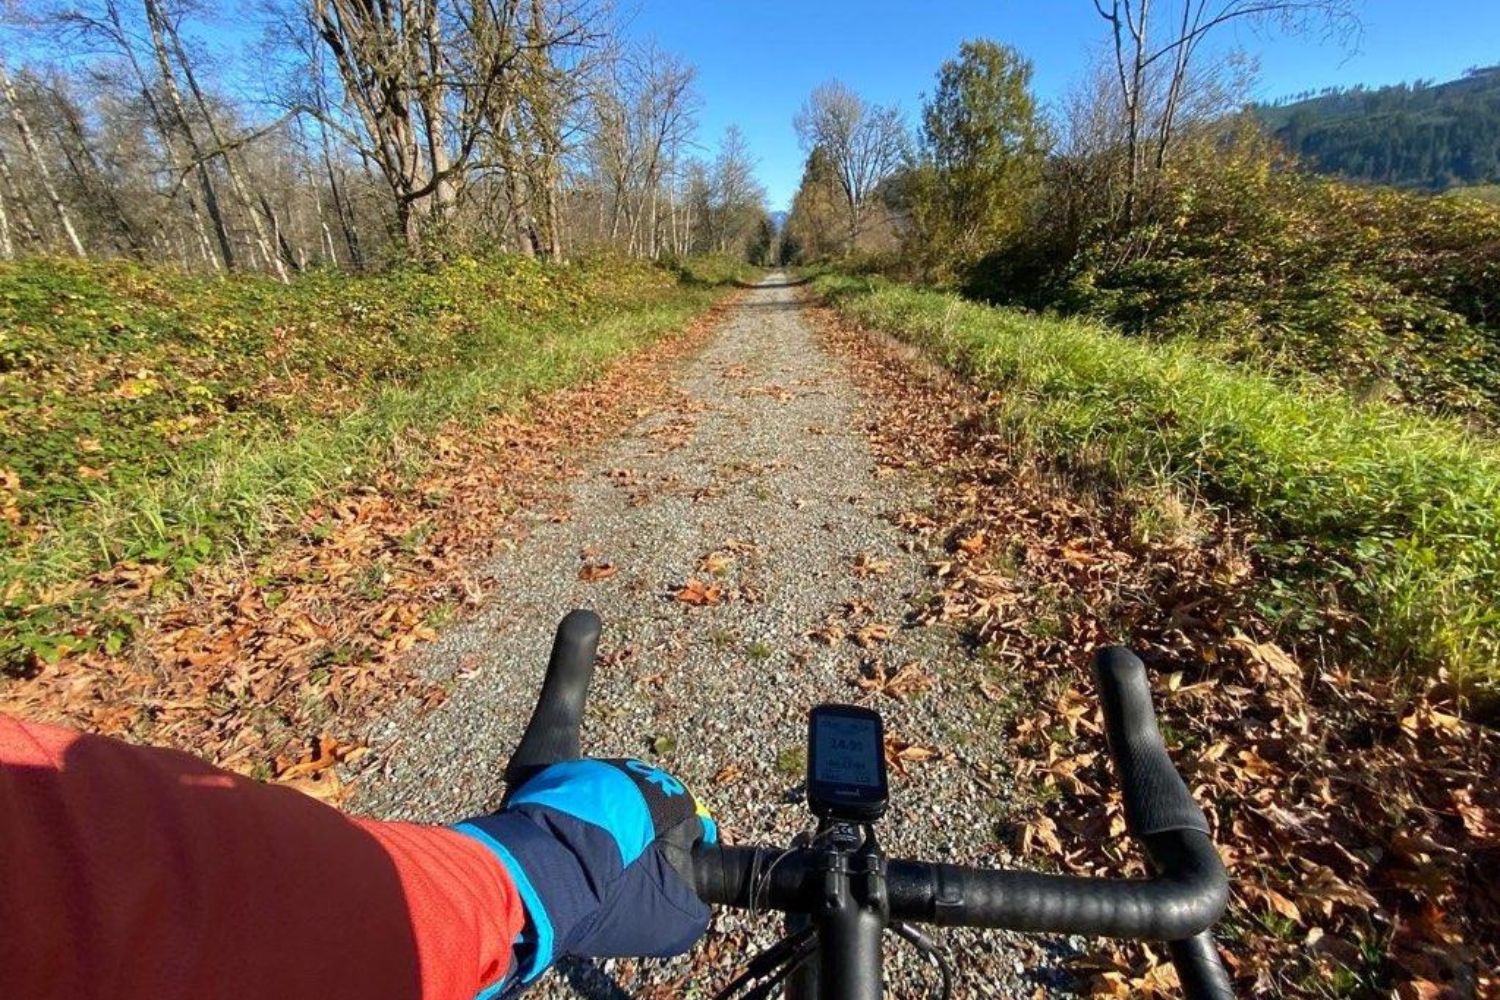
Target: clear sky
x=757, y=59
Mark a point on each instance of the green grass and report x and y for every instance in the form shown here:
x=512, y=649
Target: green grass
x=1479, y=192
x=713, y=270
x=1392, y=516
x=159, y=417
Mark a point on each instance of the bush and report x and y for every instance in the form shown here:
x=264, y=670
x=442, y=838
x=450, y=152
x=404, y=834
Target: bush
x=1396, y=513
x=1379, y=291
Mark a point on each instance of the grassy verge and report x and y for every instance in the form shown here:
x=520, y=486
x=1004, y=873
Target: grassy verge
x=156, y=419
x=1377, y=527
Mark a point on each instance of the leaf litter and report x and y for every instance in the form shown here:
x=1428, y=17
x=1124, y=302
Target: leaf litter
x=263, y=664
x=1358, y=814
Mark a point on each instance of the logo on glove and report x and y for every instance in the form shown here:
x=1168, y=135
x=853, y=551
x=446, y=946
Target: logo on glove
x=656, y=776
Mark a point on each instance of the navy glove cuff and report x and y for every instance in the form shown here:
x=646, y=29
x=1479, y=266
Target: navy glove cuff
x=533, y=857
x=600, y=852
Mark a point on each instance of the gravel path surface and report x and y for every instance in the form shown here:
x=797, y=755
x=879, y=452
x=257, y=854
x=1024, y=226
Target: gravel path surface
x=760, y=483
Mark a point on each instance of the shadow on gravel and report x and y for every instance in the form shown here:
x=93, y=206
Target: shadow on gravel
x=589, y=980
x=784, y=283
x=769, y=305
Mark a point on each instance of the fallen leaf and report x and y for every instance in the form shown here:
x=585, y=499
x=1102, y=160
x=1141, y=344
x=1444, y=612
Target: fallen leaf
x=973, y=544
x=594, y=572
x=699, y=594
x=903, y=681
x=716, y=563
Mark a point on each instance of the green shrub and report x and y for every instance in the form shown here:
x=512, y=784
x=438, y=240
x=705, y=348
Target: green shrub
x=1396, y=513
x=1382, y=292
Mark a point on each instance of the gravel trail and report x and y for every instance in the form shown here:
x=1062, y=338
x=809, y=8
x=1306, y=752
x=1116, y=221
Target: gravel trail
x=761, y=484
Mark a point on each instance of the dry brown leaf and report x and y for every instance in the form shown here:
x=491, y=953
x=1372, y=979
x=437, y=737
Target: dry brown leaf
x=871, y=635
x=699, y=594
x=716, y=563
x=901, y=682
x=325, y=787
x=1041, y=830
x=973, y=544
x=900, y=752
x=1077, y=555
x=594, y=572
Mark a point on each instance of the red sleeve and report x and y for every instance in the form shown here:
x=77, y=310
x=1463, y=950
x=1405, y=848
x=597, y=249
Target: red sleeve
x=143, y=874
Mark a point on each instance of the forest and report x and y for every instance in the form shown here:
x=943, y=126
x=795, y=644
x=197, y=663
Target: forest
x=367, y=135
x=1426, y=135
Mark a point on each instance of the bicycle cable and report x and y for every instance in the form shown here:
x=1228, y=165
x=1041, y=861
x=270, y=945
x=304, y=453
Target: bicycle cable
x=930, y=950
x=777, y=961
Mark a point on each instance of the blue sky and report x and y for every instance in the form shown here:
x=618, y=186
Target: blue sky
x=757, y=59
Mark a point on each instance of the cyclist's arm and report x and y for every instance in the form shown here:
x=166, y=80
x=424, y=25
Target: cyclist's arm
x=132, y=872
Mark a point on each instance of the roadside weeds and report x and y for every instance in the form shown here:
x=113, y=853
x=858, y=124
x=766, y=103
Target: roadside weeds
x=1360, y=820
x=269, y=663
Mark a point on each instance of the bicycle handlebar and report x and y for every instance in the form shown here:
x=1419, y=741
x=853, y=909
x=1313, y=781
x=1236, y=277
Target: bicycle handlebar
x=1187, y=893
x=552, y=734
x=1184, y=899
x=1156, y=798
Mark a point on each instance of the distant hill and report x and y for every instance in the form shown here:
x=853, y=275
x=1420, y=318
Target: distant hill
x=1423, y=134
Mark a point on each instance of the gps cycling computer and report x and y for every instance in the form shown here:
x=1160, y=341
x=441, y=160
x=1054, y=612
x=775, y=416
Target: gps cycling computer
x=846, y=763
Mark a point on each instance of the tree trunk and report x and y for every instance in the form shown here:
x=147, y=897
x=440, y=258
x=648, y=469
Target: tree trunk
x=287, y=254
x=44, y=176
x=517, y=202
x=7, y=249
x=31, y=232
x=341, y=208
x=160, y=26
x=444, y=196
x=200, y=163
x=91, y=176
x=164, y=132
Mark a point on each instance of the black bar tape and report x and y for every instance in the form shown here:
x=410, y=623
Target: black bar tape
x=552, y=734
x=1156, y=798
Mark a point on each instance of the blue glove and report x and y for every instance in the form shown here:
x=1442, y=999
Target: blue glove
x=601, y=853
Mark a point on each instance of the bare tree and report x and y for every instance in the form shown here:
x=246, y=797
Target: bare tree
x=164, y=31
x=483, y=120
x=738, y=200
x=38, y=162
x=1155, y=49
x=7, y=248
x=30, y=231
x=89, y=23
x=101, y=192
x=431, y=85
x=864, y=142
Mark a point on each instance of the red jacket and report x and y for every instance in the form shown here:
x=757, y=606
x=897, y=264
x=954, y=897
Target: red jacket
x=144, y=874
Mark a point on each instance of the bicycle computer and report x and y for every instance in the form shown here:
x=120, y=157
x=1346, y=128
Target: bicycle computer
x=846, y=763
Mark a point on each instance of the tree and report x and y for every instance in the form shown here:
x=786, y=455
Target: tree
x=814, y=222
x=1155, y=48
x=514, y=124
x=864, y=144
x=38, y=162
x=738, y=200
x=982, y=150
